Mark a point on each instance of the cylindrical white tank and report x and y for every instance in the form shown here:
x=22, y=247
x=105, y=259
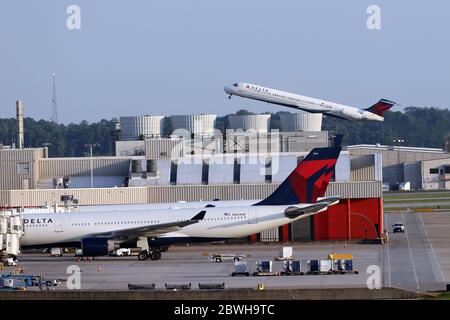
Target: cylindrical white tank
x=198, y=124
x=3, y=224
x=257, y=122
x=12, y=243
x=135, y=128
x=16, y=224
x=302, y=121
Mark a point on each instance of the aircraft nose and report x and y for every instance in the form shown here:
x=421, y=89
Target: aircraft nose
x=227, y=89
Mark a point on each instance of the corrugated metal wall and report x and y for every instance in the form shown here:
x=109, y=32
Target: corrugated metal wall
x=59, y=167
x=10, y=179
x=356, y=189
x=209, y=192
x=10, y=159
x=5, y=198
x=164, y=148
x=350, y=219
x=84, y=196
x=157, y=194
x=362, y=167
x=21, y=154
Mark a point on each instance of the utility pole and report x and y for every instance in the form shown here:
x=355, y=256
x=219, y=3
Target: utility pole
x=91, y=146
x=54, y=104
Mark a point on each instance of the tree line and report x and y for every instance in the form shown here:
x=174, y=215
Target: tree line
x=417, y=126
x=62, y=140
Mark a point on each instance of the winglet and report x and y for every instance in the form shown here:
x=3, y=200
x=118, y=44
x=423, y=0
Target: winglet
x=199, y=216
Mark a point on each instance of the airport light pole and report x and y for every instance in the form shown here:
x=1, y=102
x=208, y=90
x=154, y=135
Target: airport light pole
x=397, y=142
x=91, y=146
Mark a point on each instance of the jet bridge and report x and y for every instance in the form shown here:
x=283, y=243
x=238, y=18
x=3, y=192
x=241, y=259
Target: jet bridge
x=11, y=229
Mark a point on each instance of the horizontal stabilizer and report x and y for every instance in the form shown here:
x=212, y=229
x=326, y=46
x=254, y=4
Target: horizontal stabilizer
x=321, y=205
x=295, y=212
x=329, y=200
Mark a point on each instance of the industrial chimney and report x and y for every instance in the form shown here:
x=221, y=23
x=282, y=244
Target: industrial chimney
x=19, y=112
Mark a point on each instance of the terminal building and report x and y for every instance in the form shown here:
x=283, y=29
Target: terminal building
x=423, y=168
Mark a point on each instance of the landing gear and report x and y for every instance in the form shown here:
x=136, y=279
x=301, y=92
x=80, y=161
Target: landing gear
x=153, y=255
x=143, y=255
x=229, y=97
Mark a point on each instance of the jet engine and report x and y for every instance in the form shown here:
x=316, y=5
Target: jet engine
x=93, y=247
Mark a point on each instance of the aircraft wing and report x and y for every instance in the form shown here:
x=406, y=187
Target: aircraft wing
x=151, y=230
x=322, y=205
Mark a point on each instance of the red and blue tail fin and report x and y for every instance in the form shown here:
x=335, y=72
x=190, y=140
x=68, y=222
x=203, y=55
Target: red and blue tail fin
x=308, y=181
x=381, y=107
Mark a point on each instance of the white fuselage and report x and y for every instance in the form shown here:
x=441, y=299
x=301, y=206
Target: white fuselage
x=218, y=222
x=296, y=101
x=167, y=205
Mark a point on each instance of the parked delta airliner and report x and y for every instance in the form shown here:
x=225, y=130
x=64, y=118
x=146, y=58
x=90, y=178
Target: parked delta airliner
x=291, y=100
x=99, y=233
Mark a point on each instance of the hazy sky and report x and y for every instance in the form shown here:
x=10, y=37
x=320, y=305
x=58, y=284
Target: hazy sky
x=175, y=57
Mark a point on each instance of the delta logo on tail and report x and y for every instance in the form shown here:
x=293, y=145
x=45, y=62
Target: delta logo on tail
x=381, y=107
x=308, y=181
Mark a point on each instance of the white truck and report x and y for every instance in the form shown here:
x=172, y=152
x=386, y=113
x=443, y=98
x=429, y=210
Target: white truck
x=121, y=252
x=56, y=252
x=10, y=262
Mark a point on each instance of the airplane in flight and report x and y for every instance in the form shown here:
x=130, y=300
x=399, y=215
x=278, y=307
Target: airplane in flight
x=292, y=100
x=98, y=233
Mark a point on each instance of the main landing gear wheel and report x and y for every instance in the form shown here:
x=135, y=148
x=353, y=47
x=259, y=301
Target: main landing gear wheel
x=143, y=255
x=155, y=255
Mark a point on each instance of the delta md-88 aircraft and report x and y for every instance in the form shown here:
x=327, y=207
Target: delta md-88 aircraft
x=99, y=233
x=291, y=100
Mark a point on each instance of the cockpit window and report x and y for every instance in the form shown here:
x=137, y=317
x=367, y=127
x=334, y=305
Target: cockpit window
x=235, y=84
